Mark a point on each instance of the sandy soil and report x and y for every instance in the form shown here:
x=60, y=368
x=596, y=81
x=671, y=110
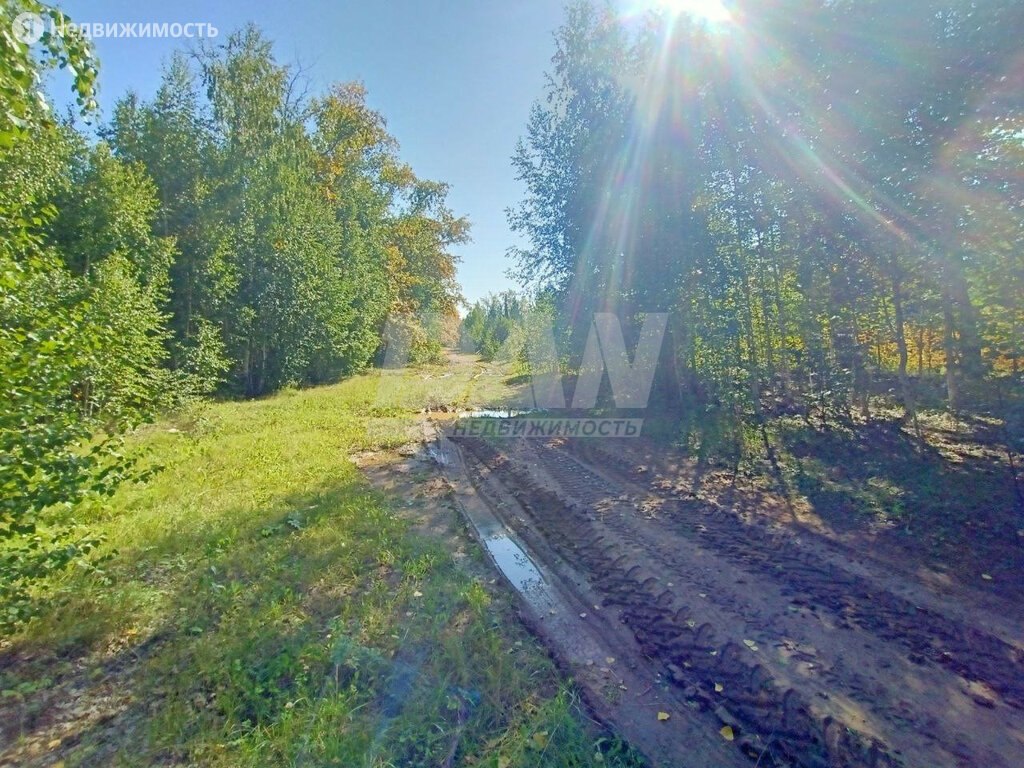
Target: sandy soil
x=713, y=635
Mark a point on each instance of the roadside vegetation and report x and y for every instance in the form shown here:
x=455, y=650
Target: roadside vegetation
x=221, y=586
x=820, y=229
x=260, y=604
x=231, y=236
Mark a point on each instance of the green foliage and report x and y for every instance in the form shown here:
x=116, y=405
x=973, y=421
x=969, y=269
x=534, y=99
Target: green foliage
x=299, y=228
x=821, y=228
x=108, y=208
x=220, y=240
x=23, y=105
x=274, y=610
x=494, y=324
x=226, y=235
x=58, y=447
x=62, y=404
x=80, y=357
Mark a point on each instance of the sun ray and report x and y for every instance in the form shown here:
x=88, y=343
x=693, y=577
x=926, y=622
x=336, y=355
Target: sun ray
x=707, y=11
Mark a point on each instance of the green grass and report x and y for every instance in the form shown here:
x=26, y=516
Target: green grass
x=265, y=606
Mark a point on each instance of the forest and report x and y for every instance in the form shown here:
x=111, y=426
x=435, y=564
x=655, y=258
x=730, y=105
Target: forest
x=829, y=208
x=233, y=236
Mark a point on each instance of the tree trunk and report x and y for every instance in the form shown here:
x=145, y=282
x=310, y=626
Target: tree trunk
x=968, y=337
x=920, y=351
x=949, y=347
x=901, y=346
x=861, y=381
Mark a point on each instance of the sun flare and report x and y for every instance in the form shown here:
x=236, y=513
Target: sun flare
x=708, y=11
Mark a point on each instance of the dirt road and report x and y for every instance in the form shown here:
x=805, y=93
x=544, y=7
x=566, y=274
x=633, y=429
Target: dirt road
x=711, y=638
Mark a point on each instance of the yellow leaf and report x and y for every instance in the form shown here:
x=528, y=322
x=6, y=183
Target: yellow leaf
x=663, y=716
x=727, y=733
x=540, y=739
x=504, y=762
x=718, y=688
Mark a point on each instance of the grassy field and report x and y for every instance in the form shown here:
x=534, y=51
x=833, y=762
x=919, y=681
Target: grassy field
x=265, y=606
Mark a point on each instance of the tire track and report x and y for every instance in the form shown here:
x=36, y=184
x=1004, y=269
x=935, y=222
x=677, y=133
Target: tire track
x=590, y=510
x=925, y=634
x=695, y=656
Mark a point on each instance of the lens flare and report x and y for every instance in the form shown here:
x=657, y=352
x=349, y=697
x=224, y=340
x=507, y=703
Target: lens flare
x=708, y=11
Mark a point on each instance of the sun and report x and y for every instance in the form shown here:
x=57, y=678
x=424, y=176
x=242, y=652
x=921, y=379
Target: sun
x=708, y=11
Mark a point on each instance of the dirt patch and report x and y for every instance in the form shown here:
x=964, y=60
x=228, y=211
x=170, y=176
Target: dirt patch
x=749, y=626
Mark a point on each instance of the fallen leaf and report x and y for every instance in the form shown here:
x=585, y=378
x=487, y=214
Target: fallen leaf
x=727, y=733
x=540, y=739
x=750, y=644
x=417, y=593
x=663, y=716
x=504, y=762
x=54, y=743
x=609, y=659
x=718, y=688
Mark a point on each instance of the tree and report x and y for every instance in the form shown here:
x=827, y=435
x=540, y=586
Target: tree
x=814, y=221
x=54, y=449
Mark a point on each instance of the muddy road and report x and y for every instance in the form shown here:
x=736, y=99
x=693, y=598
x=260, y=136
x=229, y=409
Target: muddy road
x=714, y=638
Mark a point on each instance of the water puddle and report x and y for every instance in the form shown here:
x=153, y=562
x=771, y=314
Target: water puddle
x=514, y=563
x=507, y=553
x=437, y=453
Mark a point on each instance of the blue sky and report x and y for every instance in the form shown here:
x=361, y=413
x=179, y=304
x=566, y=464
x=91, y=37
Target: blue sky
x=454, y=78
